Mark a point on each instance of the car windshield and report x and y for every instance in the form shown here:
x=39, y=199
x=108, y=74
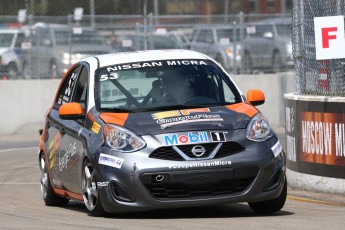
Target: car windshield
x=153, y=42
x=284, y=30
x=223, y=34
x=83, y=37
x=159, y=85
x=6, y=39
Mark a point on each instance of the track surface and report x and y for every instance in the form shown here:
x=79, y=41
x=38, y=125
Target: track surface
x=22, y=207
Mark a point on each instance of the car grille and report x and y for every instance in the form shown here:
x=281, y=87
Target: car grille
x=169, y=153
x=198, y=184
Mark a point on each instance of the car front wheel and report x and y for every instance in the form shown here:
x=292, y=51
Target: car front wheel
x=270, y=206
x=90, y=192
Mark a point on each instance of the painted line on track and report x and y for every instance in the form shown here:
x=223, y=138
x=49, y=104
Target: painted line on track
x=19, y=183
x=16, y=149
x=307, y=200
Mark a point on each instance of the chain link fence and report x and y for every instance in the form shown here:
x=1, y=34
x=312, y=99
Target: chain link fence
x=244, y=36
x=315, y=77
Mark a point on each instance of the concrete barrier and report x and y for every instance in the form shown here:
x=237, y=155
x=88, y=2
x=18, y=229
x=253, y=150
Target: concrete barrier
x=24, y=103
x=315, y=143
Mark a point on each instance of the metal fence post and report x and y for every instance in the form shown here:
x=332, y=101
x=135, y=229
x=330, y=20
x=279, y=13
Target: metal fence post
x=234, y=38
x=70, y=28
x=242, y=29
x=145, y=24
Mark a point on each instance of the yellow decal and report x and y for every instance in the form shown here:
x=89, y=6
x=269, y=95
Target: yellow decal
x=166, y=114
x=96, y=127
x=175, y=113
x=53, y=147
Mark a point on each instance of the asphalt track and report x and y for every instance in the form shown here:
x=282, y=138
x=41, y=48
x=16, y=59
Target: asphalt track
x=22, y=207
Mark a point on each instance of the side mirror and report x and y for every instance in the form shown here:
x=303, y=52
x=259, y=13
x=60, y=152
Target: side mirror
x=71, y=111
x=255, y=97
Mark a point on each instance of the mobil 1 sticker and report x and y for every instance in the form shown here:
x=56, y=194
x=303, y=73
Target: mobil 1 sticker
x=218, y=136
x=193, y=138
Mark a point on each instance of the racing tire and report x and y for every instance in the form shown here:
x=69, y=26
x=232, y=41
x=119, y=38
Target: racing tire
x=270, y=206
x=12, y=71
x=49, y=197
x=90, y=192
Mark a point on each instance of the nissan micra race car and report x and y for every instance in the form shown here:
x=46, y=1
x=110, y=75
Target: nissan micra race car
x=155, y=130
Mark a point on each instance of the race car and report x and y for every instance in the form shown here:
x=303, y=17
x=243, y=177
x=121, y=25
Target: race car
x=158, y=129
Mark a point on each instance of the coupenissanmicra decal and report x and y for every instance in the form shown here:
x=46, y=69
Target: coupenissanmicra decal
x=177, y=117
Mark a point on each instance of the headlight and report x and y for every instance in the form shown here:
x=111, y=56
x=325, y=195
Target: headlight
x=121, y=139
x=258, y=129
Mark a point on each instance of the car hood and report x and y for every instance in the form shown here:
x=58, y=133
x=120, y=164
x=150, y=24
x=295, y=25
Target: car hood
x=229, y=117
x=3, y=50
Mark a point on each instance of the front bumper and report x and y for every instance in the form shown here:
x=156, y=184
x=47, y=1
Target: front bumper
x=146, y=184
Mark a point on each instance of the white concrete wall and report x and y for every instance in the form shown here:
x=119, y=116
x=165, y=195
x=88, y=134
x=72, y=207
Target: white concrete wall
x=24, y=103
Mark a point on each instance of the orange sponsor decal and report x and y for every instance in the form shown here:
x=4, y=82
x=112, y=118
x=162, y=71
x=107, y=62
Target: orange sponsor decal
x=243, y=108
x=114, y=118
x=322, y=138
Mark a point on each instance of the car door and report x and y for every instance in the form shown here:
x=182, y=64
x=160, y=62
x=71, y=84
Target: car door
x=74, y=141
x=66, y=135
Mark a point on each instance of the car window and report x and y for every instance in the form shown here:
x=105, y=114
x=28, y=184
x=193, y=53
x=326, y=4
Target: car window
x=6, y=39
x=149, y=85
x=165, y=42
x=224, y=35
x=81, y=88
x=284, y=30
x=260, y=30
x=85, y=37
x=20, y=39
x=66, y=92
x=205, y=36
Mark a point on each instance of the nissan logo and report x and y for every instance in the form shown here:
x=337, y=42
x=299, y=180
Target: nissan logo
x=198, y=150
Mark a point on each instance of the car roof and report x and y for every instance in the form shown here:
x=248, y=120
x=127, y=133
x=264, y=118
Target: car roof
x=147, y=55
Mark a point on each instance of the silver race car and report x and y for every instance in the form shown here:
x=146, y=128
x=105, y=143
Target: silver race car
x=158, y=129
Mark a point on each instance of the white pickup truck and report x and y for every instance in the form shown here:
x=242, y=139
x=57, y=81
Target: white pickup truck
x=10, y=53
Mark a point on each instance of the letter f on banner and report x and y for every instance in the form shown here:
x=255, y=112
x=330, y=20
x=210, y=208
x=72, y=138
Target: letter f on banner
x=329, y=37
x=326, y=36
